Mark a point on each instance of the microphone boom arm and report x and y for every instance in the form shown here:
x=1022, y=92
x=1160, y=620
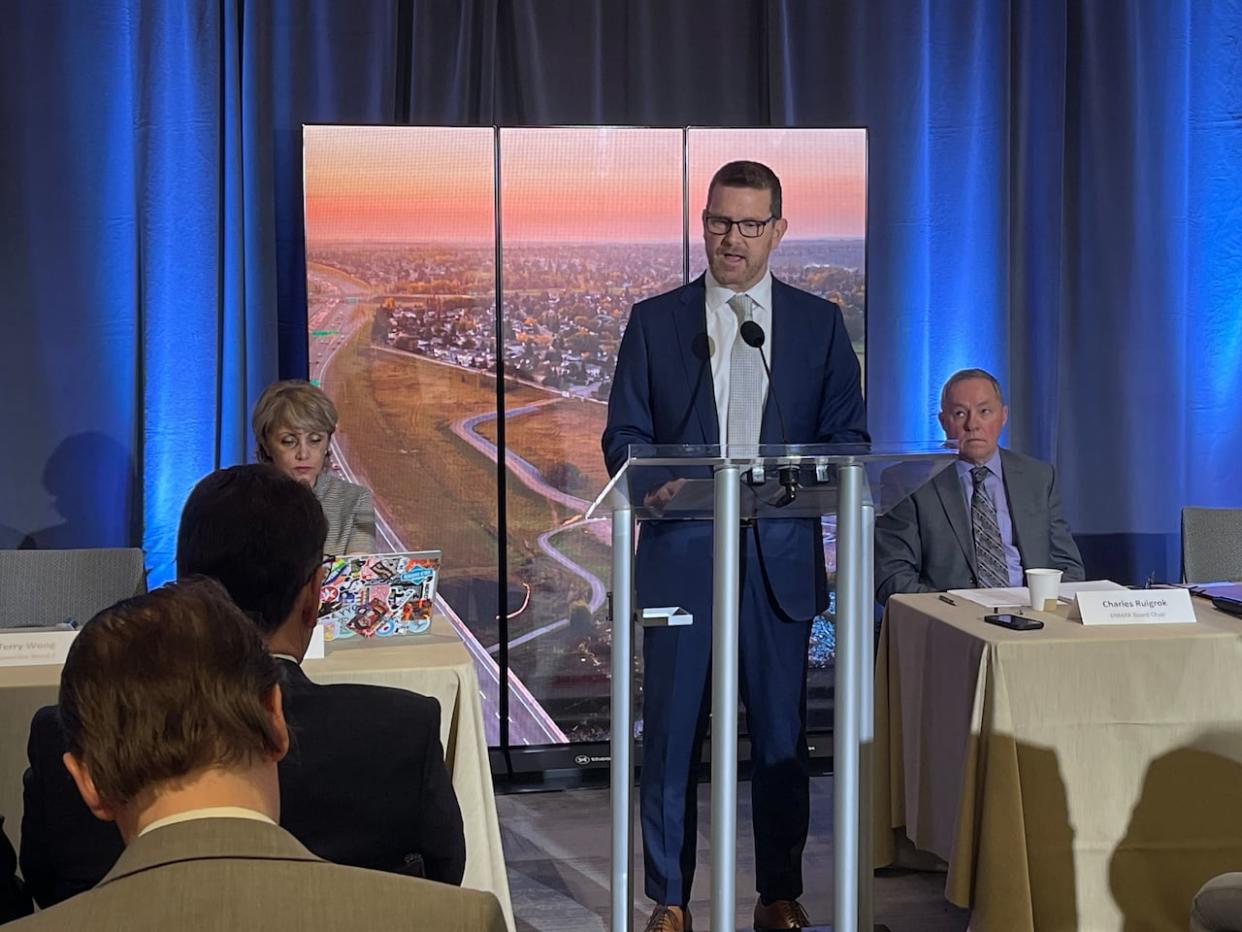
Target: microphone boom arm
x=752, y=334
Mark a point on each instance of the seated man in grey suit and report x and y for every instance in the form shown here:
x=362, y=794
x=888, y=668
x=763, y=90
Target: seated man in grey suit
x=173, y=720
x=981, y=522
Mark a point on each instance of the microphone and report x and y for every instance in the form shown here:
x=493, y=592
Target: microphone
x=752, y=334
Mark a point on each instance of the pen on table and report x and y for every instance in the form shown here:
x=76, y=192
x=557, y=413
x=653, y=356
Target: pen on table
x=946, y=599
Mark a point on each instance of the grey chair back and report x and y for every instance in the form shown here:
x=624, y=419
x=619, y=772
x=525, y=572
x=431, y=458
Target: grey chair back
x=48, y=587
x=1211, y=544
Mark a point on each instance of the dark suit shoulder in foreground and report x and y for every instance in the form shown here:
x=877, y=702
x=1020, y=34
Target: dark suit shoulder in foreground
x=64, y=849
x=14, y=900
x=371, y=756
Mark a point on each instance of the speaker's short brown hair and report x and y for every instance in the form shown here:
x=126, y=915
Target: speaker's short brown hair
x=164, y=684
x=745, y=174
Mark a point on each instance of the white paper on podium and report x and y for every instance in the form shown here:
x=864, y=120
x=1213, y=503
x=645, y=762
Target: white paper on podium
x=1020, y=596
x=670, y=617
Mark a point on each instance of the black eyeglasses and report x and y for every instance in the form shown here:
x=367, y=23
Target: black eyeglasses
x=720, y=226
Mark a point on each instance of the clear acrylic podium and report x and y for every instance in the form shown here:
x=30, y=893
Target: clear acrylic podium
x=727, y=485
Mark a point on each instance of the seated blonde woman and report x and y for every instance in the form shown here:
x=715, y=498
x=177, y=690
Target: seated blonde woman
x=293, y=423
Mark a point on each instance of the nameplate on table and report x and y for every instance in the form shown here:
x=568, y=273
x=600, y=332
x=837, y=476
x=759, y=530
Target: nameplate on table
x=1135, y=607
x=34, y=647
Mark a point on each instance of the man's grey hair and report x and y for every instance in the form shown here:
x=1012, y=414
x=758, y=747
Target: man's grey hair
x=963, y=375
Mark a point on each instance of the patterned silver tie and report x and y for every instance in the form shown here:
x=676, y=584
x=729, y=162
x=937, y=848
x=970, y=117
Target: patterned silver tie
x=989, y=551
x=745, y=382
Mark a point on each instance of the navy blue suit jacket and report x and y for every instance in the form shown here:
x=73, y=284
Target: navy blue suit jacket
x=663, y=393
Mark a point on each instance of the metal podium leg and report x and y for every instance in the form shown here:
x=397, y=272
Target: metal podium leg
x=866, y=725
x=725, y=587
x=851, y=604
x=621, y=768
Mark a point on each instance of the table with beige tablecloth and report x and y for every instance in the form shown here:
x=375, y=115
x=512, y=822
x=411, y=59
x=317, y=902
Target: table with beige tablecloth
x=434, y=664
x=1071, y=777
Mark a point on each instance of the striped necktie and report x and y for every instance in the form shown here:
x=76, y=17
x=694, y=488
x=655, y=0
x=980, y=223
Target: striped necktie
x=989, y=552
x=745, y=383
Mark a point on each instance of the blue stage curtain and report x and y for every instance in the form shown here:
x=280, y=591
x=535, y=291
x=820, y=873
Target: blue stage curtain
x=1053, y=195
x=143, y=248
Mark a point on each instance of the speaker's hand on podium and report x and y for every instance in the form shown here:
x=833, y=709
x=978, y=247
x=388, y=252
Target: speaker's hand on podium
x=658, y=498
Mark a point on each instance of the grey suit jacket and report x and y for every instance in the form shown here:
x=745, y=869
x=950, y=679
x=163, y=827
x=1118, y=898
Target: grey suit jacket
x=924, y=544
x=350, y=511
x=223, y=875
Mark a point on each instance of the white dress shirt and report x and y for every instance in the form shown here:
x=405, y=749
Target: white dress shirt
x=211, y=812
x=722, y=331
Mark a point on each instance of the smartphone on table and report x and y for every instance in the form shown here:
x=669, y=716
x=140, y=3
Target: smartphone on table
x=1014, y=622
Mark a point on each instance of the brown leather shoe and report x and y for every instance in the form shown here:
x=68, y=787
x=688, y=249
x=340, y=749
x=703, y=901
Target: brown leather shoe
x=669, y=919
x=780, y=914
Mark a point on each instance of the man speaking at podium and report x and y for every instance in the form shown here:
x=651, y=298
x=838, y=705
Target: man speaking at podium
x=685, y=376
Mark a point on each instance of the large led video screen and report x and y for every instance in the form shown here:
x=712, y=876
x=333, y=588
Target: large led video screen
x=408, y=320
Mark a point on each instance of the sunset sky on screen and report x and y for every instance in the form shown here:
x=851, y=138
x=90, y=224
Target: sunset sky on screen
x=399, y=183
x=822, y=172
x=592, y=184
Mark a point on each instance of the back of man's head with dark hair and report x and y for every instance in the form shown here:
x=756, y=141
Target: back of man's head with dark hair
x=165, y=684
x=745, y=174
x=259, y=532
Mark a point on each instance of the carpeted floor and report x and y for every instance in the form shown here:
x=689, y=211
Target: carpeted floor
x=557, y=843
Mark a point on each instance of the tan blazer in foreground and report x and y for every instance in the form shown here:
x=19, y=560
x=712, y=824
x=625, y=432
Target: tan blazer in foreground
x=224, y=875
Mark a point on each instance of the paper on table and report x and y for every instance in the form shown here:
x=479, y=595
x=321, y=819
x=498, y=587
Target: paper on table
x=1020, y=596
x=1010, y=597
x=1070, y=589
